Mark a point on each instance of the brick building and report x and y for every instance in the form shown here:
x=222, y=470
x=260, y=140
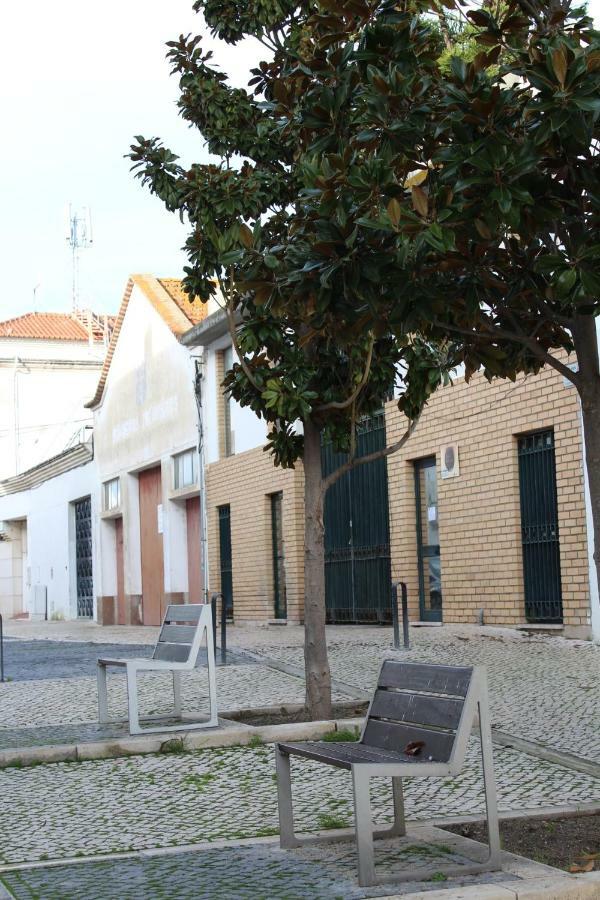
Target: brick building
x=482, y=513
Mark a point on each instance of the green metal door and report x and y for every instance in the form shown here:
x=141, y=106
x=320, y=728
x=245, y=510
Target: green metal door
x=539, y=528
x=225, y=558
x=428, y=540
x=358, y=580
x=279, y=591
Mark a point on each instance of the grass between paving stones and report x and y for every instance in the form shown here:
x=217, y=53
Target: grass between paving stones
x=344, y=734
x=571, y=843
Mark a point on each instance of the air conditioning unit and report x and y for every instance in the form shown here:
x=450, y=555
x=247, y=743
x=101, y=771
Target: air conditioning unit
x=449, y=461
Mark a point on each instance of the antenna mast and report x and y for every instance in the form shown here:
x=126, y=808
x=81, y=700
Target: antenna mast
x=79, y=237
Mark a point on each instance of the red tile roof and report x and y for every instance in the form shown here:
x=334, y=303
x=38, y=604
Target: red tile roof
x=194, y=309
x=56, y=326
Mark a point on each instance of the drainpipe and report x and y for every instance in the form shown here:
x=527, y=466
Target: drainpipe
x=199, y=365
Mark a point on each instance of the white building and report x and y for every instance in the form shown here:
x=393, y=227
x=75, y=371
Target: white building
x=46, y=541
x=49, y=367
x=146, y=438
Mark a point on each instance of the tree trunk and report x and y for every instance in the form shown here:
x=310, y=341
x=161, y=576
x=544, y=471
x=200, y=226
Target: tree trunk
x=318, y=676
x=586, y=348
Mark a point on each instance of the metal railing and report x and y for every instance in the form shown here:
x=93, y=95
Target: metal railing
x=223, y=611
x=395, y=616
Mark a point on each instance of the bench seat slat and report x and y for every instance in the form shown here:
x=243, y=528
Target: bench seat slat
x=343, y=755
x=177, y=634
x=441, y=712
x=395, y=737
x=453, y=680
x=184, y=612
x=172, y=652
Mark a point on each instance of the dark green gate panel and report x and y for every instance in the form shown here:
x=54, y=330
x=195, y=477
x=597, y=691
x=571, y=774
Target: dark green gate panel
x=279, y=588
x=225, y=557
x=539, y=528
x=358, y=580
x=83, y=558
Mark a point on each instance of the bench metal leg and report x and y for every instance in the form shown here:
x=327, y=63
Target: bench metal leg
x=364, y=828
x=177, y=693
x=132, y=701
x=102, y=694
x=489, y=783
x=399, y=827
x=287, y=838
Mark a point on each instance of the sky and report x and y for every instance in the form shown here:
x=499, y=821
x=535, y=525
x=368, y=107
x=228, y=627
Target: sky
x=77, y=81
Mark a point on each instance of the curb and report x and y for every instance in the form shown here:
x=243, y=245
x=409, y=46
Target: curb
x=230, y=734
x=559, y=887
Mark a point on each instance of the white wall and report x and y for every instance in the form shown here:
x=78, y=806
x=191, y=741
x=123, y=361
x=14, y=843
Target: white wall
x=43, y=388
x=594, y=588
x=148, y=413
x=49, y=515
x=248, y=430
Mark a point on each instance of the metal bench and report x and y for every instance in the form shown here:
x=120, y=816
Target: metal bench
x=183, y=628
x=418, y=724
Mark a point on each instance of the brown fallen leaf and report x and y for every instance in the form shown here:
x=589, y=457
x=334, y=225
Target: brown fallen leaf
x=414, y=748
x=584, y=867
x=589, y=856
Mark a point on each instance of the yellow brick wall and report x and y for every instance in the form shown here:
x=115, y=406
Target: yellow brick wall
x=245, y=481
x=479, y=510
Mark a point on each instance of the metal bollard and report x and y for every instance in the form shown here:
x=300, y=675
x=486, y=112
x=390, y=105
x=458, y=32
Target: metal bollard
x=214, y=607
x=395, y=617
x=1, y=649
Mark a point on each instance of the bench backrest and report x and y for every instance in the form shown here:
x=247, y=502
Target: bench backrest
x=180, y=633
x=415, y=703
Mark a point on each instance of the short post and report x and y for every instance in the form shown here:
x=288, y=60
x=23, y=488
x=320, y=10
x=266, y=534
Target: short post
x=395, y=623
x=1, y=649
x=405, y=615
x=223, y=631
x=395, y=616
x=213, y=609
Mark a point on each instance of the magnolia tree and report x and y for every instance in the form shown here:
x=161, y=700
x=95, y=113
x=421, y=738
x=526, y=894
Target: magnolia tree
x=378, y=212
x=283, y=225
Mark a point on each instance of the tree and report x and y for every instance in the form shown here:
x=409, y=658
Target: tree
x=375, y=204
x=283, y=223
x=517, y=155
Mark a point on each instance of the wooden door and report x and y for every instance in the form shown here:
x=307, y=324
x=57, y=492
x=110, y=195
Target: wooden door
x=121, y=611
x=153, y=569
x=192, y=510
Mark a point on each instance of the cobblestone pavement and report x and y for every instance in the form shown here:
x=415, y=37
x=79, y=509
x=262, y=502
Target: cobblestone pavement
x=256, y=872
x=65, y=809
x=70, y=701
x=542, y=689
x=43, y=659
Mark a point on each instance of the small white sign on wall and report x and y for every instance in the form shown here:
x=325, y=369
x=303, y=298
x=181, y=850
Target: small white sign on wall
x=159, y=518
x=449, y=460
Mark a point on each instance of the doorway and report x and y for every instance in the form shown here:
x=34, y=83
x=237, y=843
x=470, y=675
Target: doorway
x=121, y=611
x=428, y=540
x=358, y=577
x=83, y=558
x=539, y=528
x=225, y=557
x=151, y=539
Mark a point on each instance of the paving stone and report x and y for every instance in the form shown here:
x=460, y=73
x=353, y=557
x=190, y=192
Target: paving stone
x=45, y=659
x=100, y=806
x=255, y=872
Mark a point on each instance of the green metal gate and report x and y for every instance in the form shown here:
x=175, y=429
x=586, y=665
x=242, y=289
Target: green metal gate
x=225, y=557
x=539, y=528
x=358, y=581
x=279, y=590
x=83, y=558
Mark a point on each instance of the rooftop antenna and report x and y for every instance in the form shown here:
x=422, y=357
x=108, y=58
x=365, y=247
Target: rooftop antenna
x=79, y=237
